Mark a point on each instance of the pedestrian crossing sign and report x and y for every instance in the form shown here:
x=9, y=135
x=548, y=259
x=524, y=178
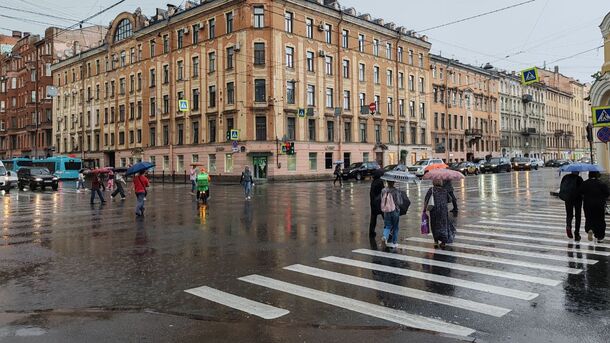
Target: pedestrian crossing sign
x=234, y=135
x=601, y=116
x=301, y=112
x=529, y=76
x=183, y=105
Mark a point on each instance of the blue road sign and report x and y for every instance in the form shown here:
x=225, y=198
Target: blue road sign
x=601, y=116
x=530, y=76
x=603, y=134
x=234, y=135
x=301, y=112
x=183, y=105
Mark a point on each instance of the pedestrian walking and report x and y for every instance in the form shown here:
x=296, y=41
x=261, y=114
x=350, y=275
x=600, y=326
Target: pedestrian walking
x=110, y=185
x=96, y=184
x=448, y=186
x=193, y=178
x=391, y=200
x=140, y=183
x=375, y=201
x=80, y=182
x=119, y=183
x=436, y=202
x=203, y=186
x=338, y=176
x=594, y=194
x=569, y=193
x=246, y=181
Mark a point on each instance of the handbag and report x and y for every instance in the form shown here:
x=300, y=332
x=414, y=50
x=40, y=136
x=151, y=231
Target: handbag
x=425, y=228
x=430, y=204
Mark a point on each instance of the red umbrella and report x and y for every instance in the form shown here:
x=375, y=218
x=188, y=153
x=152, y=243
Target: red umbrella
x=443, y=174
x=104, y=170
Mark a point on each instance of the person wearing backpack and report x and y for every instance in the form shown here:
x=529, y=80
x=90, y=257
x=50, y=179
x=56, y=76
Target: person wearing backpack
x=246, y=182
x=391, y=200
x=568, y=192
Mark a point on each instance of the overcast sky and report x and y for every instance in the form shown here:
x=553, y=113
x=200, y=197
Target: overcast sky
x=531, y=34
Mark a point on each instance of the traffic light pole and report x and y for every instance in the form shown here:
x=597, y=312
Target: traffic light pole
x=590, y=139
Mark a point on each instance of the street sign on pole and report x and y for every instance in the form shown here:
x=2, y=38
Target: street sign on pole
x=183, y=105
x=234, y=135
x=301, y=112
x=603, y=134
x=235, y=146
x=373, y=107
x=529, y=76
x=601, y=116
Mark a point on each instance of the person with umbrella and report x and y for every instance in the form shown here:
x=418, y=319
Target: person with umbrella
x=337, y=173
x=436, y=202
x=375, y=201
x=568, y=192
x=391, y=200
x=595, y=193
x=96, y=184
x=140, y=183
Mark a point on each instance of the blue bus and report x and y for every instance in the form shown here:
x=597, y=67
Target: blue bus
x=14, y=164
x=65, y=168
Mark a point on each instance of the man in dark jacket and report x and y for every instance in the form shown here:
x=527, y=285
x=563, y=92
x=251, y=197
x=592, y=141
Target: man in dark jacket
x=375, y=198
x=595, y=193
x=568, y=192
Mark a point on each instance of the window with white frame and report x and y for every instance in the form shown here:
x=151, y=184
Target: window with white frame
x=310, y=61
x=289, y=57
x=329, y=98
x=361, y=43
x=288, y=21
x=361, y=72
x=346, y=100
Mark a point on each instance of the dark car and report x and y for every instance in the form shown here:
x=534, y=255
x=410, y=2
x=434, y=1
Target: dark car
x=556, y=163
x=523, y=163
x=466, y=168
x=496, y=165
x=36, y=178
x=360, y=170
x=395, y=167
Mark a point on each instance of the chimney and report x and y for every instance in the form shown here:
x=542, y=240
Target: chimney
x=16, y=34
x=556, y=69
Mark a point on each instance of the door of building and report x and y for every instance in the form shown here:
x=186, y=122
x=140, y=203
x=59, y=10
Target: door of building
x=260, y=167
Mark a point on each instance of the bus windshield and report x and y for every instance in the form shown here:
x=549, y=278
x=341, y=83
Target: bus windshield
x=24, y=163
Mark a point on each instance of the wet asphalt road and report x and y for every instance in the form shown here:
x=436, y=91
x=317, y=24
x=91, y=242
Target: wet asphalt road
x=75, y=272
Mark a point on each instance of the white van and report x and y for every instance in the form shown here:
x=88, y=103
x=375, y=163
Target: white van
x=8, y=179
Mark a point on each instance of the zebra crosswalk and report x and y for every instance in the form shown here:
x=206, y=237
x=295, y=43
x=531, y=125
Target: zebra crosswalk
x=511, y=260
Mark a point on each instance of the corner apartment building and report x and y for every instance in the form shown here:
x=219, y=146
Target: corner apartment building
x=464, y=112
x=600, y=92
x=296, y=71
x=26, y=92
x=522, y=117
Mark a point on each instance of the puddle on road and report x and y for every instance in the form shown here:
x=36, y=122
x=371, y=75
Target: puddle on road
x=21, y=331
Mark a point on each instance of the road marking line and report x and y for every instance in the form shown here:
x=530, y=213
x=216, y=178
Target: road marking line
x=537, y=232
x=545, y=240
x=494, y=222
x=400, y=290
x=373, y=310
x=483, y=287
x=239, y=303
x=511, y=251
x=462, y=267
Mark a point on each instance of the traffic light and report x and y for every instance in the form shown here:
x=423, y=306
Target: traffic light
x=589, y=132
x=228, y=135
x=291, y=150
x=288, y=148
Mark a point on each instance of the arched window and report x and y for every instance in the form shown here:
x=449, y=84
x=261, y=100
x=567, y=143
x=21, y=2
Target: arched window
x=123, y=30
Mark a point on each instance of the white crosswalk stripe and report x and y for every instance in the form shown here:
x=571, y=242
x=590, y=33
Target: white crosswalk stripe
x=545, y=240
x=512, y=252
x=508, y=223
x=516, y=229
x=400, y=290
x=508, y=292
x=373, y=310
x=462, y=267
x=537, y=234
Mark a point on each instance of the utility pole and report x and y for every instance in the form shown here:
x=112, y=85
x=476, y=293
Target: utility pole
x=36, y=100
x=447, y=73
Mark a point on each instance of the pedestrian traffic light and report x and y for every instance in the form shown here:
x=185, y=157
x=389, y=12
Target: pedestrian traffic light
x=590, y=133
x=291, y=150
x=228, y=135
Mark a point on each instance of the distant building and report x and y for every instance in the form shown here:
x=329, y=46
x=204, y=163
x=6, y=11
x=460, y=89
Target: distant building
x=600, y=92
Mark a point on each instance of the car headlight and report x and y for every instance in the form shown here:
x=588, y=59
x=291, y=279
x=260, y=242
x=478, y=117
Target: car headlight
x=55, y=178
x=38, y=179
x=493, y=165
x=527, y=164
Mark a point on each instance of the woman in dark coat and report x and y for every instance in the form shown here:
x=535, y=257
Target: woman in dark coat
x=375, y=198
x=442, y=229
x=594, y=194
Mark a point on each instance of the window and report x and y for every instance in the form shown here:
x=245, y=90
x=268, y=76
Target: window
x=361, y=42
x=259, y=17
x=422, y=110
x=376, y=75
x=311, y=128
x=152, y=78
x=212, y=28
x=212, y=96
x=180, y=139
x=402, y=133
x=230, y=54
x=259, y=53
x=180, y=67
x=347, y=132
x=291, y=128
x=228, y=163
x=311, y=95
x=195, y=127
x=313, y=161
x=329, y=98
x=421, y=85
x=330, y=131
x=421, y=60
x=328, y=62
x=166, y=74
x=153, y=107
x=230, y=93
x=377, y=133
x=229, y=21
x=139, y=112
x=260, y=92
x=410, y=57
x=180, y=38
x=288, y=17
x=345, y=39
x=401, y=107
x=399, y=54
x=165, y=135
x=195, y=66
x=292, y=162
x=310, y=61
x=309, y=28
x=362, y=99
x=165, y=44
x=328, y=160
x=195, y=100
x=376, y=47
x=123, y=30
x=346, y=100
x=388, y=50
x=412, y=109
x=328, y=33
x=289, y=57
x=261, y=128
x=361, y=72
x=346, y=69
x=390, y=106
x=212, y=130
x=391, y=134
x=362, y=132
x=132, y=110
x=152, y=136
x=212, y=62
x=166, y=104
x=290, y=92
x=196, y=29
x=139, y=83
x=389, y=78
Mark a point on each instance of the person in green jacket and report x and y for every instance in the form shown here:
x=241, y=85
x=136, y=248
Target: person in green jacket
x=203, y=185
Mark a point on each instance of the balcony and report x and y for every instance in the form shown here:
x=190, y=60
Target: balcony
x=474, y=133
x=569, y=134
x=528, y=131
x=559, y=133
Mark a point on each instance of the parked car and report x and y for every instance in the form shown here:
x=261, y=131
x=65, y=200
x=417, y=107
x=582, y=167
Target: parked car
x=8, y=179
x=36, y=177
x=395, y=167
x=538, y=162
x=419, y=168
x=466, y=168
x=496, y=165
x=557, y=163
x=360, y=170
x=523, y=163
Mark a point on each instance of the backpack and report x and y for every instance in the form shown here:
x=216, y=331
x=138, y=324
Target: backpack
x=568, y=187
x=404, y=205
x=387, y=203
